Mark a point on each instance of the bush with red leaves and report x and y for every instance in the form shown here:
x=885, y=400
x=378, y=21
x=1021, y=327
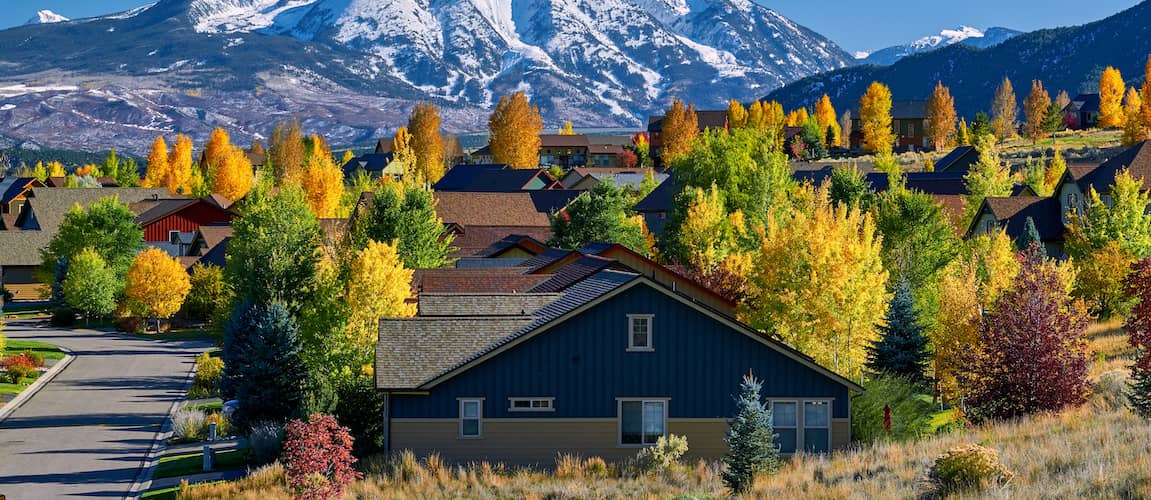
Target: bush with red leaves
x=18, y=367
x=318, y=457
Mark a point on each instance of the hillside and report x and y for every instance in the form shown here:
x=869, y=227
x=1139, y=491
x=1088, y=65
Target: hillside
x=965, y=35
x=1064, y=58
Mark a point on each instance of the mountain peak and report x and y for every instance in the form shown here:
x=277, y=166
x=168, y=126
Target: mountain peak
x=47, y=17
x=964, y=34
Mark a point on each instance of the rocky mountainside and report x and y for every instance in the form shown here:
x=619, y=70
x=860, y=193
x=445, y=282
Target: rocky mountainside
x=966, y=35
x=352, y=68
x=1064, y=58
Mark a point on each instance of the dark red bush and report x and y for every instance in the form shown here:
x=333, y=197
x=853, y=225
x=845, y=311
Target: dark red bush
x=318, y=457
x=18, y=367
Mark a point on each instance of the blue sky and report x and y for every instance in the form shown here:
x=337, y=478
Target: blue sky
x=853, y=24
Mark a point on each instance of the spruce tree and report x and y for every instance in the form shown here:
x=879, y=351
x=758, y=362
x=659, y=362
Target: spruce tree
x=1030, y=236
x=262, y=365
x=1138, y=326
x=902, y=348
x=750, y=439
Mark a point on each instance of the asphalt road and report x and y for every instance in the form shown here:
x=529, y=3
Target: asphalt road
x=87, y=432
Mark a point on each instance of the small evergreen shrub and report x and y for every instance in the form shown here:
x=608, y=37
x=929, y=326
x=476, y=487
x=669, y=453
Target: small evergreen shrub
x=665, y=454
x=17, y=368
x=750, y=440
x=189, y=424
x=966, y=467
x=266, y=439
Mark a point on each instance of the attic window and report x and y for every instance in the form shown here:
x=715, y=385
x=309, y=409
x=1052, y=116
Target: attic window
x=639, y=332
x=531, y=404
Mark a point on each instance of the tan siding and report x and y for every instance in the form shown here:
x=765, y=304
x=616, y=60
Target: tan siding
x=840, y=433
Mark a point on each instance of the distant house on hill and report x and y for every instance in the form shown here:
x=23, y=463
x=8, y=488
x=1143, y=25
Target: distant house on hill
x=1082, y=112
x=705, y=119
x=959, y=160
x=376, y=165
x=908, y=121
x=564, y=151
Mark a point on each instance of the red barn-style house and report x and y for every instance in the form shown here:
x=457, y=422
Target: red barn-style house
x=170, y=224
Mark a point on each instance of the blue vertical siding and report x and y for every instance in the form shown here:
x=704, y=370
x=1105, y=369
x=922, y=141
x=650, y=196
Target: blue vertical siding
x=583, y=363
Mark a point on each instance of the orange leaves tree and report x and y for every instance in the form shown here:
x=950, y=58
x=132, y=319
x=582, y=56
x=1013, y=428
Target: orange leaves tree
x=515, y=128
x=1111, y=88
x=157, y=285
x=324, y=184
x=157, y=163
x=941, y=117
x=826, y=118
x=427, y=141
x=1036, y=107
x=875, y=119
x=680, y=126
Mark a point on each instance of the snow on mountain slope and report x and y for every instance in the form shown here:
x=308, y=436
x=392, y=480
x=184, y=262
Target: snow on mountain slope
x=963, y=34
x=47, y=17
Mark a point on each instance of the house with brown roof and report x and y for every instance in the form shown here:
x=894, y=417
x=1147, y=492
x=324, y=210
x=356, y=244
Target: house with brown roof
x=908, y=121
x=705, y=119
x=477, y=220
x=171, y=223
x=564, y=151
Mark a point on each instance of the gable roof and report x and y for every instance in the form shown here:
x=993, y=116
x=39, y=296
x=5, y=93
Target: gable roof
x=468, y=280
x=705, y=119
x=563, y=141
x=483, y=304
x=1011, y=213
x=472, y=241
x=661, y=199
x=1136, y=159
x=516, y=209
x=567, y=276
x=150, y=211
x=492, y=178
x=405, y=345
x=522, y=241
x=12, y=187
x=959, y=159
x=378, y=163
x=903, y=109
x=1084, y=103
x=630, y=181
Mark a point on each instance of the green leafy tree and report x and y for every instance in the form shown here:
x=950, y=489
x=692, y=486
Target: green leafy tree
x=1053, y=119
x=980, y=126
x=210, y=294
x=106, y=226
x=262, y=365
x=91, y=287
x=988, y=178
x=409, y=219
x=600, y=215
x=902, y=346
x=918, y=240
x=273, y=253
x=814, y=139
x=750, y=439
x=849, y=187
x=1126, y=220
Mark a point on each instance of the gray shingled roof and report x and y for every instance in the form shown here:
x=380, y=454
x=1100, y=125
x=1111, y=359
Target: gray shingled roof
x=483, y=304
x=49, y=205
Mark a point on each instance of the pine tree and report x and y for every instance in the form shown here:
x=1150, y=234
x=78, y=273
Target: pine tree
x=427, y=142
x=1003, y=111
x=902, y=348
x=680, y=126
x=262, y=365
x=941, y=117
x=515, y=128
x=1036, y=107
x=875, y=119
x=750, y=439
x=1111, y=89
x=1030, y=236
x=1138, y=326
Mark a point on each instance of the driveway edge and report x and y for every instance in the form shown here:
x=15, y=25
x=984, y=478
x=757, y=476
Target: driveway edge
x=31, y=390
x=148, y=467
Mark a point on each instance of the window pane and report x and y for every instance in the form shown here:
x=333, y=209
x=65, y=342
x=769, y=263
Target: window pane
x=815, y=414
x=785, y=438
x=521, y=403
x=783, y=414
x=653, y=421
x=815, y=440
x=471, y=427
x=631, y=422
x=541, y=403
x=471, y=409
x=639, y=339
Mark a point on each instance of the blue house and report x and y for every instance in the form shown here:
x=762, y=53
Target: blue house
x=602, y=368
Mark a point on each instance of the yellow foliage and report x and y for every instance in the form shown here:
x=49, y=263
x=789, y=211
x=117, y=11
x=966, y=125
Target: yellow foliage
x=680, y=126
x=379, y=288
x=1134, y=130
x=157, y=164
x=705, y=233
x=515, y=128
x=323, y=182
x=819, y=283
x=348, y=156
x=1035, y=107
x=797, y=117
x=88, y=169
x=178, y=178
x=825, y=116
x=217, y=150
x=403, y=154
x=1003, y=111
x=957, y=330
x=1111, y=89
x=567, y=129
x=1145, y=91
x=157, y=284
x=993, y=256
x=875, y=119
x=736, y=114
x=234, y=176
x=428, y=142
x=941, y=117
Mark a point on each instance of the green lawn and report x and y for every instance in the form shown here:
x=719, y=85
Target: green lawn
x=14, y=389
x=49, y=351
x=212, y=407
x=170, y=493
x=185, y=334
x=193, y=463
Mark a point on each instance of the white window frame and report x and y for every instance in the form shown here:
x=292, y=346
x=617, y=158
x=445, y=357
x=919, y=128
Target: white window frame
x=479, y=417
x=642, y=401
x=631, y=346
x=800, y=424
x=547, y=404
x=173, y=232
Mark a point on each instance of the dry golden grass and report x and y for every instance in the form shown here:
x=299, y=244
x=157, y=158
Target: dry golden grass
x=1100, y=450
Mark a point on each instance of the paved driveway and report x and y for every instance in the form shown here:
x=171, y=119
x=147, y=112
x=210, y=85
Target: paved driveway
x=86, y=433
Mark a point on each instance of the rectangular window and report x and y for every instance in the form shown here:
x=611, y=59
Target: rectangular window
x=785, y=419
x=816, y=426
x=642, y=422
x=531, y=404
x=639, y=332
x=471, y=413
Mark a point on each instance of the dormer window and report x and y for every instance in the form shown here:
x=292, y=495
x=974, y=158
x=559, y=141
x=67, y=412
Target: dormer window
x=639, y=332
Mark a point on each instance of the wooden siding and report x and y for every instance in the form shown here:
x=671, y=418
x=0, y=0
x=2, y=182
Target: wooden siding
x=187, y=220
x=538, y=441
x=697, y=362
x=22, y=282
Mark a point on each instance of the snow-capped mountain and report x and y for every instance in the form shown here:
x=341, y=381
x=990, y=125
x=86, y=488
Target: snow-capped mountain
x=46, y=17
x=596, y=62
x=964, y=34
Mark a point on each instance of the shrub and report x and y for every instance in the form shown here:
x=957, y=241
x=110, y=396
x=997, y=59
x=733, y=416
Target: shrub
x=188, y=423
x=266, y=439
x=750, y=440
x=318, y=457
x=910, y=415
x=968, y=467
x=666, y=453
x=36, y=358
x=572, y=467
x=17, y=367
x=223, y=427
x=1110, y=392
x=207, y=381
x=3, y=339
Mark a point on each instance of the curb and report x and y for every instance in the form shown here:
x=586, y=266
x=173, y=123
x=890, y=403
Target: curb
x=31, y=390
x=148, y=467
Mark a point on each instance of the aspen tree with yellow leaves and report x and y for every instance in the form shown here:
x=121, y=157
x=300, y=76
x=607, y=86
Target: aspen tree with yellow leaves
x=1111, y=89
x=427, y=141
x=1004, y=112
x=156, y=285
x=1134, y=130
x=1145, y=92
x=875, y=119
x=680, y=126
x=323, y=182
x=823, y=295
x=157, y=169
x=941, y=117
x=179, y=175
x=1036, y=107
x=378, y=287
x=403, y=154
x=286, y=152
x=567, y=128
x=826, y=118
x=736, y=115
x=217, y=150
x=234, y=175
x=515, y=128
